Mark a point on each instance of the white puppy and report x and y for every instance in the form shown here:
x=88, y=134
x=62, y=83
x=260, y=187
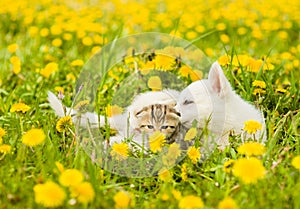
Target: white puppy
x=214, y=102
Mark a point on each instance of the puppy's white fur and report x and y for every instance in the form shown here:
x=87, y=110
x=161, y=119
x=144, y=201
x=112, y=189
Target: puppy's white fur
x=212, y=100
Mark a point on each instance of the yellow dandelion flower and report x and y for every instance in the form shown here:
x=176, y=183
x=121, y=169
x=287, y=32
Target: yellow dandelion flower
x=59, y=89
x=67, y=36
x=64, y=123
x=221, y=26
x=251, y=149
x=70, y=77
x=112, y=110
x=95, y=50
x=165, y=197
x=283, y=35
x=249, y=170
x=242, y=31
x=81, y=105
x=16, y=64
x=57, y=42
x=120, y=151
x=122, y=200
x=280, y=90
x=12, y=48
x=224, y=38
x=154, y=83
x=48, y=57
x=145, y=68
x=168, y=160
x=190, y=35
x=191, y=134
x=258, y=91
x=49, y=194
x=242, y=59
x=173, y=153
x=196, y=75
x=164, y=62
x=156, y=141
x=33, y=137
x=56, y=29
x=258, y=83
x=44, y=32
x=176, y=194
x=286, y=56
x=2, y=132
x=268, y=66
x=87, y=41
x=129, y=60
x=83, y=192
x=49, y=69
x=174, y=150
x=16, y=69
x=19, y=107
x=194, y=154
x=183, y=174
x=77, y=62
x=171, y=51
x=191, y=202
x=227, y=167
x=165, y=175
x=45, y=49
x=224, y=60
x=5, y=148
x=227, y=203
x=251, y=126
x=200, y=28
x=33, y=31
x=185, y=71
x=209, y=52
x=70, y=177
x=255, y=65
x=113, y=75
x=296, y=162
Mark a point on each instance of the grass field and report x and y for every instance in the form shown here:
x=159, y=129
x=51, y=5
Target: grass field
x=44, y=46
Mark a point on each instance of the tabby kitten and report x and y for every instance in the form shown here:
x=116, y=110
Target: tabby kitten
x=159, y=117
x=149, y=112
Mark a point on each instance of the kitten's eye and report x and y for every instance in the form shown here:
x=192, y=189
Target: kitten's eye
x=186, y=102
x=166, y=127
x=147, y=126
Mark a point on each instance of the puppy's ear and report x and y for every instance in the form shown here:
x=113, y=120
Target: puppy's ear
x=218, y=81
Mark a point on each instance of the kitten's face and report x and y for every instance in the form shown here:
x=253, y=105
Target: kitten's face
x=158, y=117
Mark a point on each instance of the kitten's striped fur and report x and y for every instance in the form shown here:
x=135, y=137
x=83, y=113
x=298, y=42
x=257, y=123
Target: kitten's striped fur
x=159, y=117
x=149, y=112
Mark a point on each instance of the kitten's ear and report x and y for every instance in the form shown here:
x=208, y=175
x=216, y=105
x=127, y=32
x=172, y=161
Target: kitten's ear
x=140, y=112
x=218, y=81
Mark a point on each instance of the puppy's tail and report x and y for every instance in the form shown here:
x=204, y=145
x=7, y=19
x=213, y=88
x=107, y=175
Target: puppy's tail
x=83, y=120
